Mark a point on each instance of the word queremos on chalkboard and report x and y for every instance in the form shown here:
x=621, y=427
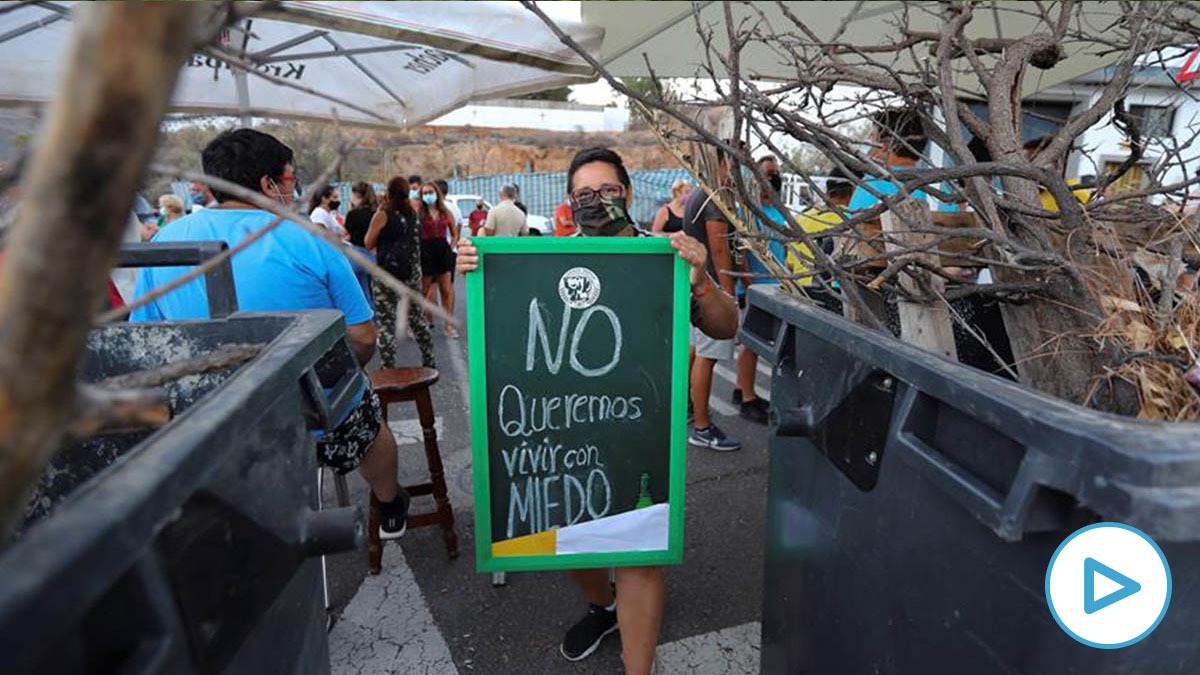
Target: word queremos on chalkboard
x=578, y=351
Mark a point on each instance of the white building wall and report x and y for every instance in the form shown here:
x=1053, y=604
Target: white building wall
x=1104, y=143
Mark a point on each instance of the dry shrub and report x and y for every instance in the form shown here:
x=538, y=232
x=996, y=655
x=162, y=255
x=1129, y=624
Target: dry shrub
x=1159, y=338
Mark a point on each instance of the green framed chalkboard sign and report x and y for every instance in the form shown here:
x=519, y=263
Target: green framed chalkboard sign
x=578, y=364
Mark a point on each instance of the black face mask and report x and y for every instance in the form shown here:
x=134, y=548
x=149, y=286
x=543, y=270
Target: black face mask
x=605, y=217
x=776, y=182
x=333, y=205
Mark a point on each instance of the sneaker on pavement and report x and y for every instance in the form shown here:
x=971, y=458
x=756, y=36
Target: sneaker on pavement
x=713, y=439
x=755, y=410
x=585, y=636
x=393, y=517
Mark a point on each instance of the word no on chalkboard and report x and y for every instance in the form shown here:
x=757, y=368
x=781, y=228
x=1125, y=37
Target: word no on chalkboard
x=578, y=353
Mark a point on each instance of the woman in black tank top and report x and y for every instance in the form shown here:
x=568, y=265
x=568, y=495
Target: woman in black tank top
x=670, y=215
x=396, y=237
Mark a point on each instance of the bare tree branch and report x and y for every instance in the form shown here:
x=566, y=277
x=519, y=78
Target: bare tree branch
x=98, y=136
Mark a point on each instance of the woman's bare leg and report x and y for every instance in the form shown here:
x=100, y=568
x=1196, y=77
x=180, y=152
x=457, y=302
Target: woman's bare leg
x=427, y=290
x=447, y=291
x=641, y=593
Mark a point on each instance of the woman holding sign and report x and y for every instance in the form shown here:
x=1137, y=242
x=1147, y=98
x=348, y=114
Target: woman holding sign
x=599, y=192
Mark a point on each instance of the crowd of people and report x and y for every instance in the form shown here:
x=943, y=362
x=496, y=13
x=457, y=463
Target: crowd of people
x=416, y=235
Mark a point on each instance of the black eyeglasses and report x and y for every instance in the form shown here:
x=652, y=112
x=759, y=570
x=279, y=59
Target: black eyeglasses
x=588, y=196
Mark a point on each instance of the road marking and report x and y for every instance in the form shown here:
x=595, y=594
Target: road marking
x=410, y=432
x=732, y=651
x=388, y=629
x=763, y=368
x=762, y=386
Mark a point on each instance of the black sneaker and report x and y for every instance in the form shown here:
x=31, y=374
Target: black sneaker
x=393, y=516
x=755, y=410
x=585, y=636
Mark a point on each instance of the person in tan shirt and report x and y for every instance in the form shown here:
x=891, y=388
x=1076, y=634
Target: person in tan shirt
x=505, y=219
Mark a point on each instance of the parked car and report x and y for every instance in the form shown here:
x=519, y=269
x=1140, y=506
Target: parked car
x=143, y=209
x=538, y=225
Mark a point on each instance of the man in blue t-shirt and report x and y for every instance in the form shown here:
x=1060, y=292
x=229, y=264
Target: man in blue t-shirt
x=287, y=269
x=899, y=140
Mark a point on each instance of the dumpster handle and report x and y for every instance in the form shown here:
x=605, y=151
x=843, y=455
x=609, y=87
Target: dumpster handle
x=758, y=320
x=332, y=407
x=218, y=282
x=316, y=395
x=999, y=512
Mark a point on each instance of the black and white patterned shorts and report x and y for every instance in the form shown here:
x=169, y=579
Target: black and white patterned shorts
x=344, y=448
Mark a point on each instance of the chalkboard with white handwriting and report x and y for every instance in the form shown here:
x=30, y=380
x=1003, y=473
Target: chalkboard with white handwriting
x=578, y=359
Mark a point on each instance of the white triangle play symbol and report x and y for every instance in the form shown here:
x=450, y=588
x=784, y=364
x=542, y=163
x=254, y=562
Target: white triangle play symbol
x=1105, y=586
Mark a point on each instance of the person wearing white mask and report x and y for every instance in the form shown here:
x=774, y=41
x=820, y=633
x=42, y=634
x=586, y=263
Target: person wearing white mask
x=437, y=253
x=170, y=209
x=414, y=192
x=455, y=213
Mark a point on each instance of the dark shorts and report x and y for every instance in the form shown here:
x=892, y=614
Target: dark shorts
x=437, y=258
x=344, y=448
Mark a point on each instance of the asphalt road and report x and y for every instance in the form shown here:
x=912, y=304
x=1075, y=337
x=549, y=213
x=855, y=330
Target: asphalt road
x=713, y=599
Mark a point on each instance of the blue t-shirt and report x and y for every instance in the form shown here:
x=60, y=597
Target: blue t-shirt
x=287, y=269
x=775, y=245
x=861, y=199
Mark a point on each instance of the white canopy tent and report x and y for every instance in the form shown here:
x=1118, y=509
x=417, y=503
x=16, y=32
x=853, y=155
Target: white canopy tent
x=665, y=33
x=394, y=63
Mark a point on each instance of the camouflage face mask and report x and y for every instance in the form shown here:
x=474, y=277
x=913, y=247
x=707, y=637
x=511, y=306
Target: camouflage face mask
x=605, y=217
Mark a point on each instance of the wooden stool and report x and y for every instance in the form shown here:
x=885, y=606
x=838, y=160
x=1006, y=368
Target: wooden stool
x=396, y=385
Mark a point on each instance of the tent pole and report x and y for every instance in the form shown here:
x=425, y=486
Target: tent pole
x=242, y=82
x=243, y=97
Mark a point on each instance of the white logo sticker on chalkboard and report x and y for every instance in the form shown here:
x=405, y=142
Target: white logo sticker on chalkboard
x=579, y=288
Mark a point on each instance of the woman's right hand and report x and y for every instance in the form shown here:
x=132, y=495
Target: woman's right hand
x=468, y=256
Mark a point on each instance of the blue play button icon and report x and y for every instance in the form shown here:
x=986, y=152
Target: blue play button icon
x=1079, y=587
x=1126, y=586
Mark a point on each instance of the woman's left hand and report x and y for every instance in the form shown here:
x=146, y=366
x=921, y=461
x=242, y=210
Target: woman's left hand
x=694, y=254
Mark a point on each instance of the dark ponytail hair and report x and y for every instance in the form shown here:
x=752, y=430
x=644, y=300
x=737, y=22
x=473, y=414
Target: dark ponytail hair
x=397, y=197
x=318, y=195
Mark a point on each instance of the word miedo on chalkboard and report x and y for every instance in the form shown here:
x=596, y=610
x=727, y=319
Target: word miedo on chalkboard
x=578, y=353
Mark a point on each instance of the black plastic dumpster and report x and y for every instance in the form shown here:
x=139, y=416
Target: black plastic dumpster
x=915, y=503
x=189, y=549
